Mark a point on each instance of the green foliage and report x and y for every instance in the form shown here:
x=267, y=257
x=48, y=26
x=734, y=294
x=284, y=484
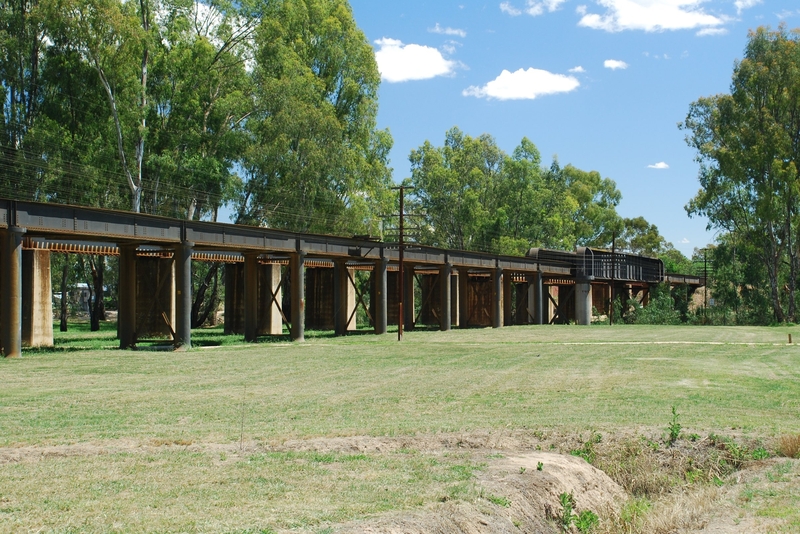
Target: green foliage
x=586, y=521
x=586, y=451
x=498, y=500
x=474, y=196
x=317, y=162
x=566, y=517
x=749, y=162
x=674, y=427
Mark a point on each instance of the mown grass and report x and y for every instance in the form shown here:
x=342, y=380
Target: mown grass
x=569, y=379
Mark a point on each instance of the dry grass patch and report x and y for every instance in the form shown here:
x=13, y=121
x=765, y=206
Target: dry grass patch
x=789, y=445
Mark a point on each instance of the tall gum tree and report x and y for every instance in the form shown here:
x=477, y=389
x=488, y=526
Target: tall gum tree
x=316, y=161
x=116, y=39
x=748, y=148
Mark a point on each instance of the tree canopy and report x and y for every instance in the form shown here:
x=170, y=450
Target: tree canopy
x=748, y=147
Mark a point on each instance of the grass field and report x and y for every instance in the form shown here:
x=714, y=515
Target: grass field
x=93, y=439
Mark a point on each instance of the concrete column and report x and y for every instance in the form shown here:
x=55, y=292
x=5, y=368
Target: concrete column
x=444, y=285
x=11, y=292
x=251, y=296
x=232, y=293
x=297, y=262
x=408, y=299
x=463, y=297
x=269, y=283
x=126, y=315
x=454, y=300
x=538, y=313
x=183, y=295
x=497, y=297
x=380, y=297
x=37, y=299
x=583, y=302
x=340, y=290
x=508, y=317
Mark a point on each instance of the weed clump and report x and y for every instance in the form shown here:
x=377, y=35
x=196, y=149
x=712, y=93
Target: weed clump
x=789, y=446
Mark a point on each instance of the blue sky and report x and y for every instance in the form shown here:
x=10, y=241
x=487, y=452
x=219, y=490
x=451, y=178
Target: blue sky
x=602, y=84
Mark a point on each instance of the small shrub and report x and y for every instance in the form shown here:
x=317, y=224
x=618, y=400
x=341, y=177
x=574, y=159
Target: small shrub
x=586, y=521
x=789, y=446
x=567, y=506
x=674, y=427
x=499, y=500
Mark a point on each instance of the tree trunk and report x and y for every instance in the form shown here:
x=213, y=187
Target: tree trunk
x=200, y=313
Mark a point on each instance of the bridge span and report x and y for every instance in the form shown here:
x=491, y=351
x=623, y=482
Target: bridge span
x=276, y=278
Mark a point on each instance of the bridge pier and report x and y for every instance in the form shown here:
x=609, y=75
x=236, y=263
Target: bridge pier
x=11, y=292
x=583, y=302
x=263, y=310
x=463, y=297
x=445, y=289
x=409, y=307
x=183, y=295
x=497, y=297
x=37, y=299
x=297, y=282
x=508, y=300
x=379, y=300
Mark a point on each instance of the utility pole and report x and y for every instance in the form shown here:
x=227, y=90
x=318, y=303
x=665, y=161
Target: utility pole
x=401, y=276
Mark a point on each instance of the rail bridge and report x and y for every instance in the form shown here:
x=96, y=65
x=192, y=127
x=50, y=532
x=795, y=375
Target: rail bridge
x=276, y=278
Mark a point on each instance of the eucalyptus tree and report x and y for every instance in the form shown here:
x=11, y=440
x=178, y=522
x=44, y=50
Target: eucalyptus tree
x=454, y=188
x=748, y=147
x=22, y=44
x=316, y=161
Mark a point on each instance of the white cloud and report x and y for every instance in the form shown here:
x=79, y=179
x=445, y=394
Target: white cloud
x=577, y=69
x=659, y=165
x=649, y=15
x=508, y=9
x=615, y=64
x=741, y=5
x=524, y=85
x=398, y=62
x=533, y=8
x=705, y=32
x=685, y=241
x=447, y=31
x=786, y=14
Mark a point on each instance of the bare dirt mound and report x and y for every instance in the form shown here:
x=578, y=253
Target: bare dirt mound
x=519, y=493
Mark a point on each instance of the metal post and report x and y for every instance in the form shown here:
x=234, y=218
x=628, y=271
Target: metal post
x=400, y=288
x=12, y=293
x=183, y=289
